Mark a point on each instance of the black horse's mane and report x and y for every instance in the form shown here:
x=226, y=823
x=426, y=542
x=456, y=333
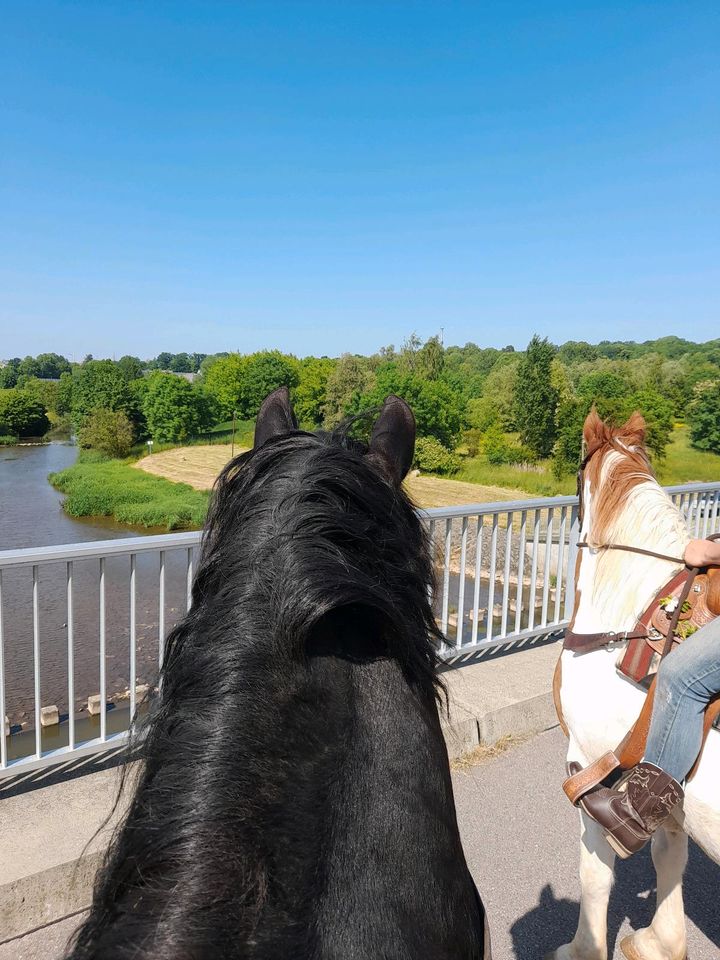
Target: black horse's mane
x=305, y=531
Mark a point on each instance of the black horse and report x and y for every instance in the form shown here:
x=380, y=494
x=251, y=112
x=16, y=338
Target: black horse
x=294, y=798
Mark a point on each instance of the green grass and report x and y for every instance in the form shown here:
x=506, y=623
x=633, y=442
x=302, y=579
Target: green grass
x=538, y=481
x=685, y=464
x=112, y=488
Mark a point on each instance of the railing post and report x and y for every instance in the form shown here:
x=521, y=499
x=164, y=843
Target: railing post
x=572, y=562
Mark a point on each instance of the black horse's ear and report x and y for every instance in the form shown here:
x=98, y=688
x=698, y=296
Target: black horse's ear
x=393, y=438
x=276, y=417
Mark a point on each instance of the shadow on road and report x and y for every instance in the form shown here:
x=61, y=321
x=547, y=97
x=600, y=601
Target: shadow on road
x=553, y=922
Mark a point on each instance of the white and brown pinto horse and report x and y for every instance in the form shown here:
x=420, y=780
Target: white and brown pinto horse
x=624, y=504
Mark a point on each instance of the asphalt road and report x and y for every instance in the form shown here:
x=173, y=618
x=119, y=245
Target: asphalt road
x=521, y=842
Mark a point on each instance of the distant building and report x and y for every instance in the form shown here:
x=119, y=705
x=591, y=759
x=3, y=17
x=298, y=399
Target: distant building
x=190, y=377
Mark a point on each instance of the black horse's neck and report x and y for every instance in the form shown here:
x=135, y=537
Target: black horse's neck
x=295, y=797
x=321, y=825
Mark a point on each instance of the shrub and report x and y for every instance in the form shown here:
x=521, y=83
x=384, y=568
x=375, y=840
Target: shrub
x=108, y=431
x=473, y=441
x=498, y=449
x=432, y=456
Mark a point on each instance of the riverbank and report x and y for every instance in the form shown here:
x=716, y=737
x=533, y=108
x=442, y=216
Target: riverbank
x=113, y=488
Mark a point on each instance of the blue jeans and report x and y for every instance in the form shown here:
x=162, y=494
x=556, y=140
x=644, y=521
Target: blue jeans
x=687, y=680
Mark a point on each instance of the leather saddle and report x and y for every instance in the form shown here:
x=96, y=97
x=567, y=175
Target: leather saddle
x=702, y=606
x=698, y=606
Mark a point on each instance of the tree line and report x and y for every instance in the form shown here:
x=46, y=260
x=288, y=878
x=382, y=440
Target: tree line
x=511, y=406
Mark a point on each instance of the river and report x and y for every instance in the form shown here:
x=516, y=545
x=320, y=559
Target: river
x=31, y=515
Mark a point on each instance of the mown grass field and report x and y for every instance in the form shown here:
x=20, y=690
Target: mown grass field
x=199, y=466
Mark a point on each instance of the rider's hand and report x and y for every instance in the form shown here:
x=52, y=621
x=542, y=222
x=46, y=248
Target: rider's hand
x=703, y=553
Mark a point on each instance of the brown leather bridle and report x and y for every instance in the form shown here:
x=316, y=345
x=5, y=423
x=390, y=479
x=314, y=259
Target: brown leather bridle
x=583, y=544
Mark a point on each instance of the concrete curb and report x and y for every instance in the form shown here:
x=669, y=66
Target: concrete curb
x=42, y=898
x=518, y=719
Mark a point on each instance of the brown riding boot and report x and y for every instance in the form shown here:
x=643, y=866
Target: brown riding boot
x=629, y=816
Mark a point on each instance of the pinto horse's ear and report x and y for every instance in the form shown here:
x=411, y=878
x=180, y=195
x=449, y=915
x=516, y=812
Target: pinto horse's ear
x=276, y=417
x=393, y=438
x=633, y=432
x=594, y=430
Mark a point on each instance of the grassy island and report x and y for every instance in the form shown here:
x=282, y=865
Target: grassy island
x=114, y=488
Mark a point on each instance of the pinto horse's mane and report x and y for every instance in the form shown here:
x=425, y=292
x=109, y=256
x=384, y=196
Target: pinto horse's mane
x=306, y=533
x=628, y=507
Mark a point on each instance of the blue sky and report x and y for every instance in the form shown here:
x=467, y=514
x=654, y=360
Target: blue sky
x=324, y=177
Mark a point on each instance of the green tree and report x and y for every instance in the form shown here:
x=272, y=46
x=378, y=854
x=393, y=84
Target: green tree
x=131, y=367
x=9, y=373
x=241, y=383
x=310, y=395
x=481, y=413
x=63, y=401
x=108, y=431
x=571, y=415
x=438, y=409
x=173, y=410
x=45, y=392
x=100, y=384
x=223, y=380
x=181, y=363
x=704, y=418
x=432, y=456
x=577, y=350
x=498, y=449
x=658, y=413
x=499, y=393
x=431, y=359
x=536, y=397
x=47, y=366
x=264, y=372
x=21, y=415
x=352, y=377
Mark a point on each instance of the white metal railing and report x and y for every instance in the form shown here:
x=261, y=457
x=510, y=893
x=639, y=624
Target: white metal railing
x=89, y=620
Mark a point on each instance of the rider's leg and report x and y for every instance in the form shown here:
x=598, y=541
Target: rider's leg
x=687, y=679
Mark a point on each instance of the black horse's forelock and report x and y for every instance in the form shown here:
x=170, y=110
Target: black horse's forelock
x=306, y=525
x=304, y=529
